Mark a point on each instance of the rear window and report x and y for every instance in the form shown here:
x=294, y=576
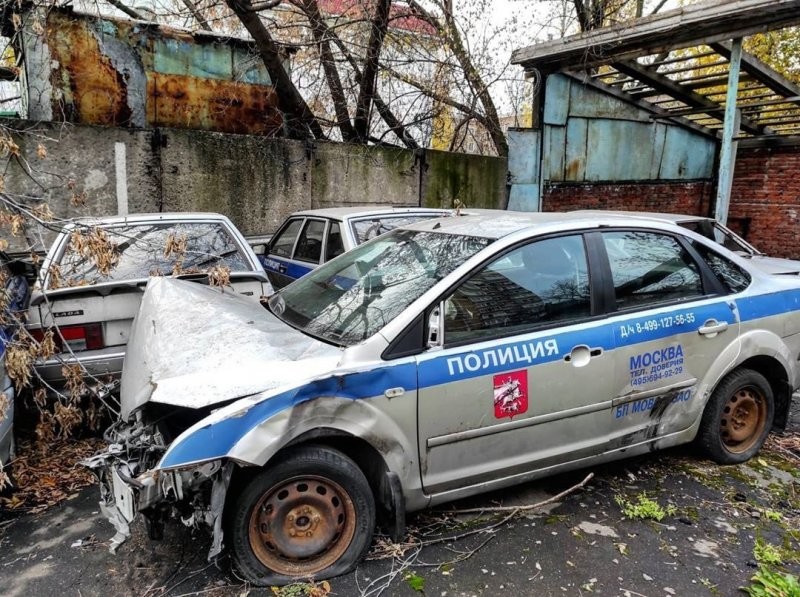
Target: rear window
x=367, y=229
x=136, y=252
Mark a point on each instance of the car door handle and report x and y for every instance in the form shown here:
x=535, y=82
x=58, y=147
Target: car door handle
x=581, y=354
x=712, y=327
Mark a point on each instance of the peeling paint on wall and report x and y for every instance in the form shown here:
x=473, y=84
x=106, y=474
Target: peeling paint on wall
x=92, y=70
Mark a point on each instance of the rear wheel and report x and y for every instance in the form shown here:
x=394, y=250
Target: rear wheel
x=738, y=417
x=312, y=515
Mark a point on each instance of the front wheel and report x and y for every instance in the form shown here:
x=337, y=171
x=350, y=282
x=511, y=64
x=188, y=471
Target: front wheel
x=312, y=515
x=738, y=417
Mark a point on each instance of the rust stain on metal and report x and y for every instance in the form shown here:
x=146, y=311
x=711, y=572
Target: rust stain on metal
x=118, y=73
x=92, y=91
x=574, y=167
x=225, y=106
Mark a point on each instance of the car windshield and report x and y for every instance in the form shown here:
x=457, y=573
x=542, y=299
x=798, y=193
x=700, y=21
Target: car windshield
x=132, y=252
x=349, y=299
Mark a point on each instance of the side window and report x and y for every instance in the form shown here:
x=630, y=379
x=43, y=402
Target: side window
x=541, y=283
x=283, y=243
x=335, y=247
x=732, y=277
x=649, y=268
x=309, y=245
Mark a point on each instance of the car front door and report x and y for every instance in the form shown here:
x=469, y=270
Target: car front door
x=522, y=378
x=673, y=320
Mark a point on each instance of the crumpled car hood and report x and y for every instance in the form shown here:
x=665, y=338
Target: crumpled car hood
x=194, y=346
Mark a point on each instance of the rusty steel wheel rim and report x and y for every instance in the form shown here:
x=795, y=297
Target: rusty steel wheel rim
x=301, y=526
x=744, y=417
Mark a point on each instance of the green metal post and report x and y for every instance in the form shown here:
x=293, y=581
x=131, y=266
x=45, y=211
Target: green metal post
x=727, y=153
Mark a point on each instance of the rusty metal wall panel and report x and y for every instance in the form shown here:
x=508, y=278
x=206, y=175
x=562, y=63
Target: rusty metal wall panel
x=123, y=73
x=687, y=155
x=176, y=56
x=92, y=91
x=524, y=163
x=618, y=150
x=556, y=103
x=553, y=159
x=590, y=136
x=575, y=160
x=224, y=106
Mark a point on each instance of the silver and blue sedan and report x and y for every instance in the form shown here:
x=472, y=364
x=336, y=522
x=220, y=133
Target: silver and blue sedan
x=443, y=359
x=308, y=238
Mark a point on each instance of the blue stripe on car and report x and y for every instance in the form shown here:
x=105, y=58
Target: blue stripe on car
x=217, y=439
x=293, y=270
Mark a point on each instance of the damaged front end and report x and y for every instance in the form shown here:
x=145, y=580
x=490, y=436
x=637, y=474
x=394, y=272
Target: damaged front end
x=192, y=352
x=131, y=483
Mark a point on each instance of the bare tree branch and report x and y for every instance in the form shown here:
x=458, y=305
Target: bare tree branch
x=491, y=120
x=391, y=120
x=197, y=15
x=322, y=35
x=128, y=11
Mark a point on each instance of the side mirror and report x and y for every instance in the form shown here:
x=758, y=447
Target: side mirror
x=435, y=328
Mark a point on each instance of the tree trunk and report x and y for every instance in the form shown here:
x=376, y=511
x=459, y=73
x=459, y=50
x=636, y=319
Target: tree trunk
x=321, y=35
x=369, y=75
x=300, y=121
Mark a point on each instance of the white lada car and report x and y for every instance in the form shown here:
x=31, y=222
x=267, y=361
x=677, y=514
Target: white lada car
x=443, y=359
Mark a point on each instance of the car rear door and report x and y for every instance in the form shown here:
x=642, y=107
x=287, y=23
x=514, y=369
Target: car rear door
x=672, y=321
x=523, y=378
x=295, y=250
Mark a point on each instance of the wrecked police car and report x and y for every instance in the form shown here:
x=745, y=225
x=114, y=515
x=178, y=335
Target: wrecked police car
x=443, y=359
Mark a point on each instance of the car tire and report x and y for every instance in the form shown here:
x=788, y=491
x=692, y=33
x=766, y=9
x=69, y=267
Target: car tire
x=310, y=516
x=737, y=418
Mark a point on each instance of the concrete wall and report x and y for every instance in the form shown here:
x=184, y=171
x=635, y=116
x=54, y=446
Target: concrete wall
x=254, y=180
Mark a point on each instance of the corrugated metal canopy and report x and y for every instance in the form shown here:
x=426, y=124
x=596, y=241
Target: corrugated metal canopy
x=690, y=85
x=675, y=65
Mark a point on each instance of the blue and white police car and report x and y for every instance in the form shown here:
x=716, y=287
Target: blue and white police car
x=443, y=359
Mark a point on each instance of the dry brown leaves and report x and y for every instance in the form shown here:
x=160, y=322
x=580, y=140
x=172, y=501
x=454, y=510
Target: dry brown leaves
x=14, y=221
x=43, y=212
x=56, y=279
x=7, y=145
x=19, y=361
x=219, y=276
x=175, y=245
x=4, y=405
x=95, y=246
x=43, y=478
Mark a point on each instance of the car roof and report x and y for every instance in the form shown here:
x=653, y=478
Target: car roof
x=496, y=224
x=138, y=218
x=343, y=213
x=649, y=215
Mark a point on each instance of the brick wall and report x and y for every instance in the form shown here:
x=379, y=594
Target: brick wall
x=766, y=198
x=680, y=197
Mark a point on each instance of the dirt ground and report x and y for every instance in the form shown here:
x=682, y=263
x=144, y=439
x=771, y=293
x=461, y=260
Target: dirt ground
x=719, y=525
